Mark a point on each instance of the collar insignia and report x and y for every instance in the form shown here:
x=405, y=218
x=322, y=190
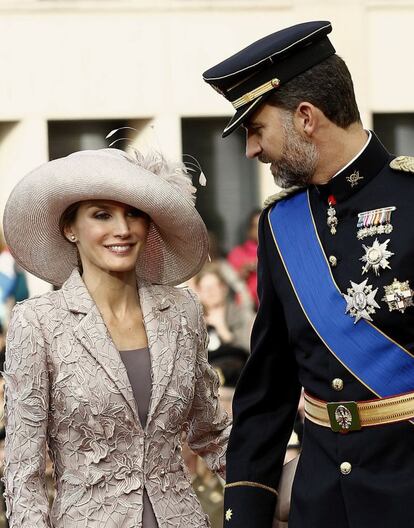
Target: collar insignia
x=354, y=178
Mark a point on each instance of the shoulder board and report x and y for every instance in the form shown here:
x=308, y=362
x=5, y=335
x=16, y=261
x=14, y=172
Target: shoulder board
x=403, y=163
x=270, y=200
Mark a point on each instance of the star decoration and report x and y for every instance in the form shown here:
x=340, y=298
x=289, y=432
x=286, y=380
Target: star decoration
x=376, y=257
x=229, y=514
x=361, y=301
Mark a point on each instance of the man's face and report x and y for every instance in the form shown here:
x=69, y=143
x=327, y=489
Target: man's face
x=272, y=137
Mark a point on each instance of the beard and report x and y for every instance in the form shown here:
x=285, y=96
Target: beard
x=299, y=159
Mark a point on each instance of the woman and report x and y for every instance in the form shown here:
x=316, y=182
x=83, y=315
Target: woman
x=227, y=322
x=110, y=370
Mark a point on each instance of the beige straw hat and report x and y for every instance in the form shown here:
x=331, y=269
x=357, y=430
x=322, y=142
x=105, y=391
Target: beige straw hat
x=177, y=243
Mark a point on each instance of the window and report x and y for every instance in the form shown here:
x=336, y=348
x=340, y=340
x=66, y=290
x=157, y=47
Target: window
x=232, y=190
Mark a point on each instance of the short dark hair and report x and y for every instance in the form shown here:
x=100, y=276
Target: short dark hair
x=328, y=86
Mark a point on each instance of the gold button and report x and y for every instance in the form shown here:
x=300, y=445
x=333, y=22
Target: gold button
x=337, y=384
x=333, y=261
x=346, y=468
x=275, y=83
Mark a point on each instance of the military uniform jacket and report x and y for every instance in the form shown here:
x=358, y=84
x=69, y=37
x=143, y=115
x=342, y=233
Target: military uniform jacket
x=288, y=354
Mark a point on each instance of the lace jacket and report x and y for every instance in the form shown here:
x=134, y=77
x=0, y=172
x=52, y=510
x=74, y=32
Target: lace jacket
x=67, y=390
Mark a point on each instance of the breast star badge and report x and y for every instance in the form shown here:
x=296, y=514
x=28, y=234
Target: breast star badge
x=376, y=257
x=229, y=514
x=398, y=296
x=360, y=300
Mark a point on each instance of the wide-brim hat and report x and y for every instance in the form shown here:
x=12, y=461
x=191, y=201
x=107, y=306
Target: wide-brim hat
x=177, y=243
x=249, y=77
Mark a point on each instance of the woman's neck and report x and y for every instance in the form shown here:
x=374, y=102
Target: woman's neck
x=114, y=294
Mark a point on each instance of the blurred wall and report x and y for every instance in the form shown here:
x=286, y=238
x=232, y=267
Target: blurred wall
x=141, y=62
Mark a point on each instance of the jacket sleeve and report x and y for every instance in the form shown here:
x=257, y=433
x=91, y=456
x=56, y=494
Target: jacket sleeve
x=26, y=414
x=209, y=424
x=264, y=406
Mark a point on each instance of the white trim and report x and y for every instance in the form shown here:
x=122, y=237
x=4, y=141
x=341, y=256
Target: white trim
x=355, y=157
x=266, y=58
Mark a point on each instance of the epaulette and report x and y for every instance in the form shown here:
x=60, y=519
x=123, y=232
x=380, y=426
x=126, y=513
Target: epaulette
x=273, y=198
x=403, y=163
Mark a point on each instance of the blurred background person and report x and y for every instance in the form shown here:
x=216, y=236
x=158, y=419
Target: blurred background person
x=13, y=284
x=243, y=258
x=237, y=286
x=227, y=322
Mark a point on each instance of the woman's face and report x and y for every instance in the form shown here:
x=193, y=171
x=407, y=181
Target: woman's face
x=211, y=291
x=109, y=235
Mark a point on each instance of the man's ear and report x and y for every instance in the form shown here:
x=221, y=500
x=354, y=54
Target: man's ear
x=306, y=118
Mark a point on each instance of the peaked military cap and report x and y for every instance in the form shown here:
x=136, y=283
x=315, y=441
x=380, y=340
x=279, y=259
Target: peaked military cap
x=247, y=78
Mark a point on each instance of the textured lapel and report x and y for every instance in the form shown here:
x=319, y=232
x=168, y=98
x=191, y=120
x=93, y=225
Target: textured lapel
x=162, y=320
x=92, y=333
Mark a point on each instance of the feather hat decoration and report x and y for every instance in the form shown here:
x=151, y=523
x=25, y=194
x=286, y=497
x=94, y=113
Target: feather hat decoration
x=175, y=173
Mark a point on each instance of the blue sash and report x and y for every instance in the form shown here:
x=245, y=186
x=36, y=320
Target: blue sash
x=383, y=366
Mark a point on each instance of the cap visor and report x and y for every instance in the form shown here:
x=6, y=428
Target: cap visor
x=241, y=116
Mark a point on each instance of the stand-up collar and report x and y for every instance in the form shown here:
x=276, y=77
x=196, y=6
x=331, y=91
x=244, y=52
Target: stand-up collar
x=356, y=174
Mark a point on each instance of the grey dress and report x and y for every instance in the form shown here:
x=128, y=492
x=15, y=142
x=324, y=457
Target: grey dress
x=138, y=366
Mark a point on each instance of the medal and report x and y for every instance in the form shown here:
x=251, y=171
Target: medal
x=360, y=300
x=375, y=222
x=376, y=257
x=332, y=220
x=398, y=296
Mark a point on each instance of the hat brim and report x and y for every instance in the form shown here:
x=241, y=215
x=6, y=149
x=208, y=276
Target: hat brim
x=177, y=243
x=242, y=115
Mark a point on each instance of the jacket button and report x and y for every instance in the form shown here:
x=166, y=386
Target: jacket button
x=333, y=261
x=345, y=468
x=337, y=384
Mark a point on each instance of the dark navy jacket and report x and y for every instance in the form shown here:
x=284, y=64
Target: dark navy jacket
x=287, y=354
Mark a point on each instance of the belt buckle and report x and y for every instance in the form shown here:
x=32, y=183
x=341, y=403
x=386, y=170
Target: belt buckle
x=344, y=416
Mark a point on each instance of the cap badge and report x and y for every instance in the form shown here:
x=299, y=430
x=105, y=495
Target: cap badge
x=360, y=300
x=375, y=222
x=229, y=514
x=354, y=178
x=376, y=257
x=398, y=296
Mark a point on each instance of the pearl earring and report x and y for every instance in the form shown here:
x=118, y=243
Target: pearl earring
x=73, y=238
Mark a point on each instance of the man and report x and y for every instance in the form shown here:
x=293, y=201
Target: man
x=336, y=313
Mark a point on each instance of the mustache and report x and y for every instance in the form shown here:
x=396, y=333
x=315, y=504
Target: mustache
x=264, y=159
